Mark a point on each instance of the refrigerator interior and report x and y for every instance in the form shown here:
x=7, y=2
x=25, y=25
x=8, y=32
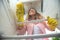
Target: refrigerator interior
x=7, y=14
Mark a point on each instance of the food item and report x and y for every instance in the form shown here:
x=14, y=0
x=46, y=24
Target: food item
x=55, y=38
x=52, y=23
x=20, y=13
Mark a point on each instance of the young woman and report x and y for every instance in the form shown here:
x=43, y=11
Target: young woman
x=33, y=28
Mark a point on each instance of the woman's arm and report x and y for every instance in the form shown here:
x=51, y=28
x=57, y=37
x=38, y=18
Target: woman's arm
x=49, y=27
x=46, y=25
x=21, y=30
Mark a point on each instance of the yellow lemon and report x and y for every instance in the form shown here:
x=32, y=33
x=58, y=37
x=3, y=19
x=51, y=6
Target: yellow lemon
x=52, y=23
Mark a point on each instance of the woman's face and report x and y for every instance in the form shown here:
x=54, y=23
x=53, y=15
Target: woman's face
x=32, y=12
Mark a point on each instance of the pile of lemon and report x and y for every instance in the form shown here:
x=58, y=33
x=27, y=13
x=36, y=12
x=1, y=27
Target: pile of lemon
x=52, y=23
x=20, y=12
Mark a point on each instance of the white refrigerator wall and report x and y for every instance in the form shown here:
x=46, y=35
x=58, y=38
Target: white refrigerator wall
x=7, y=25
x=58, y=14
x=50, y=7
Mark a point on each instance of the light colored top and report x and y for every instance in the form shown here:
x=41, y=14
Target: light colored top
x=36, y=31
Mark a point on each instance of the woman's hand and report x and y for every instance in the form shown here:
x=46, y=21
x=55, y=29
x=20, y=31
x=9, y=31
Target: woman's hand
x=52, y=23
x=20, y=26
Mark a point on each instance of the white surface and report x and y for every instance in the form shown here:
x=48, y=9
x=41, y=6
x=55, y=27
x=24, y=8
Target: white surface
x=50, y=32
x=36, y=30
x=50, y=8
x=7, y=25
